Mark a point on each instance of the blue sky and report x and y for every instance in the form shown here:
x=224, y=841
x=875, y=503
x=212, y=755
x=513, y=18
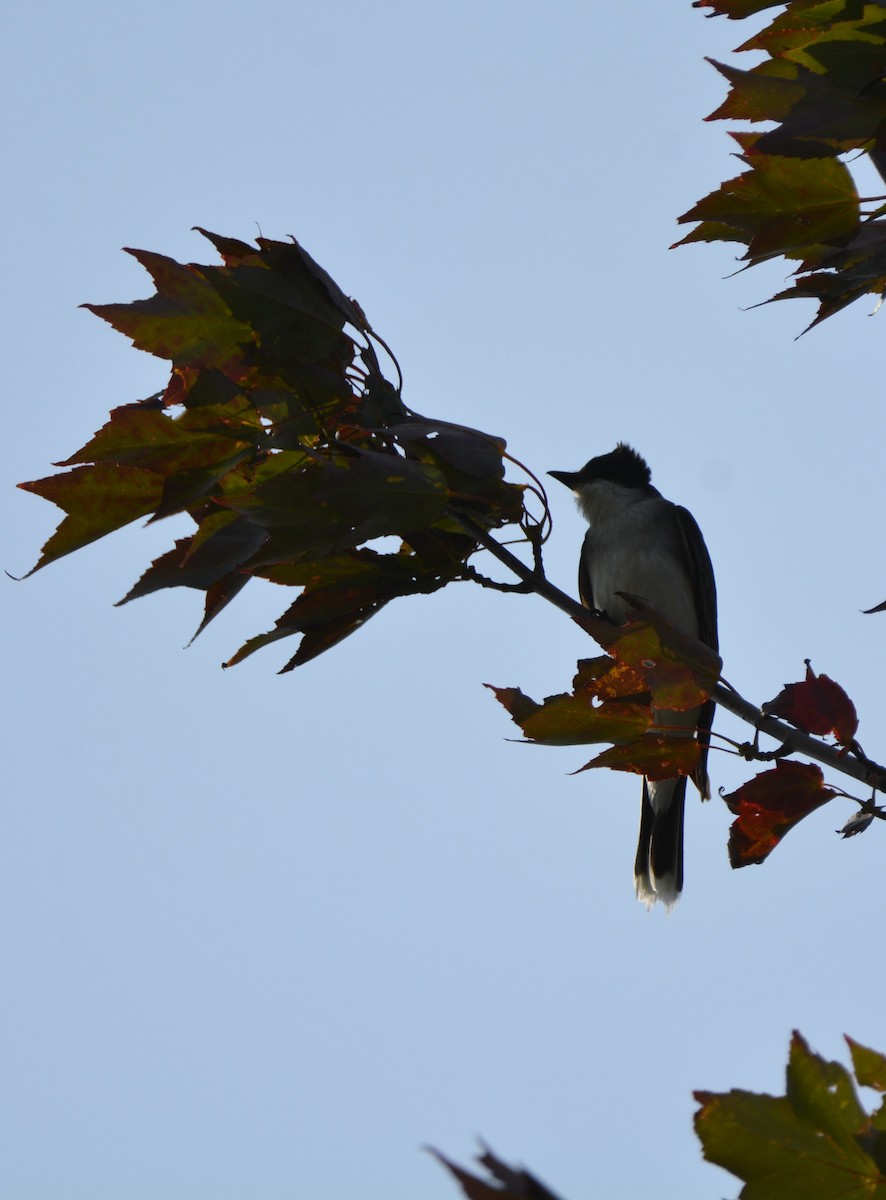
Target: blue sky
x=268, y=936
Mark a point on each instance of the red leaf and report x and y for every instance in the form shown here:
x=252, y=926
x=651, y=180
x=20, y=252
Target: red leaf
x=818, y=706
x=771, y=804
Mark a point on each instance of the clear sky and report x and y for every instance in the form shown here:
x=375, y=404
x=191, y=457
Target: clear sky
x=268, y=936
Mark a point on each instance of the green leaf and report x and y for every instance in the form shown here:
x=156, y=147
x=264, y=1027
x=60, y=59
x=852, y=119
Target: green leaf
x=869, y=1066
x=781, y=206
x=98, y=500
x=140, y=436
x=767, y=92
x=186, y=321
x=806, y=1145
x=823, y=1094
x=798, y=30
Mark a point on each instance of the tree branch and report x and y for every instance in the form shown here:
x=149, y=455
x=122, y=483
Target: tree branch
x=846, y=761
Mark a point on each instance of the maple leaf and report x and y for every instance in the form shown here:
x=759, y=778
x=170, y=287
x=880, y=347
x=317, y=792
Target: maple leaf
x=768, y=806
x=817, y=705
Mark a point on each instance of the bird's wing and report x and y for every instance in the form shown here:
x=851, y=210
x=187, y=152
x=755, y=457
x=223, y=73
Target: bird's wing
x=704, y=590
x=585, y=591
x=701, y=573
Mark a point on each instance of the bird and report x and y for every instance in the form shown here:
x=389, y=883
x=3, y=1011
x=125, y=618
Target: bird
x=640, y=543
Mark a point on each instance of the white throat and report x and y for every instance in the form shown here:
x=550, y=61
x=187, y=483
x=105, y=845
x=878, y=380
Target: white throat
x=603, y=499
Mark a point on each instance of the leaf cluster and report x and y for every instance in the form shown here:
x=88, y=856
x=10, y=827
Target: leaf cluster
x=651, y=665
x=822, y=86
x=293, y=455
x=281, y=438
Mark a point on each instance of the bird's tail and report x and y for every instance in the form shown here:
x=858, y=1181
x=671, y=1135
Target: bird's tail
x=658, y=869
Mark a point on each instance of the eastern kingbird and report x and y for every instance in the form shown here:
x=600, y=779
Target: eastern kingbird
x=640, y=543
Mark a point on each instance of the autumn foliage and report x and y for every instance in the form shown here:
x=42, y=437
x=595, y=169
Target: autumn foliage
x=821, y=87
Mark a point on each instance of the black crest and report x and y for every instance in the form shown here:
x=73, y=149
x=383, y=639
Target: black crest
x=622, y=465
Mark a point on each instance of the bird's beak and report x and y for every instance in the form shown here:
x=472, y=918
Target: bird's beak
x=570, y=478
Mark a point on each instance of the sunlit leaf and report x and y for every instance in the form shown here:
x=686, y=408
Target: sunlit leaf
x=573, y=720
x=677, y=669
x=814, y=1143
x=654, y=755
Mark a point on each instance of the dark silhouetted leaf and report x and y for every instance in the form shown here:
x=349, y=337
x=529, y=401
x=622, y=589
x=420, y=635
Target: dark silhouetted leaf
x=736, y=9
x=201, y=564
x=340, y=595
x=504, y=1183
x=282, y=440
x=770, y=805
x=857, y=824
